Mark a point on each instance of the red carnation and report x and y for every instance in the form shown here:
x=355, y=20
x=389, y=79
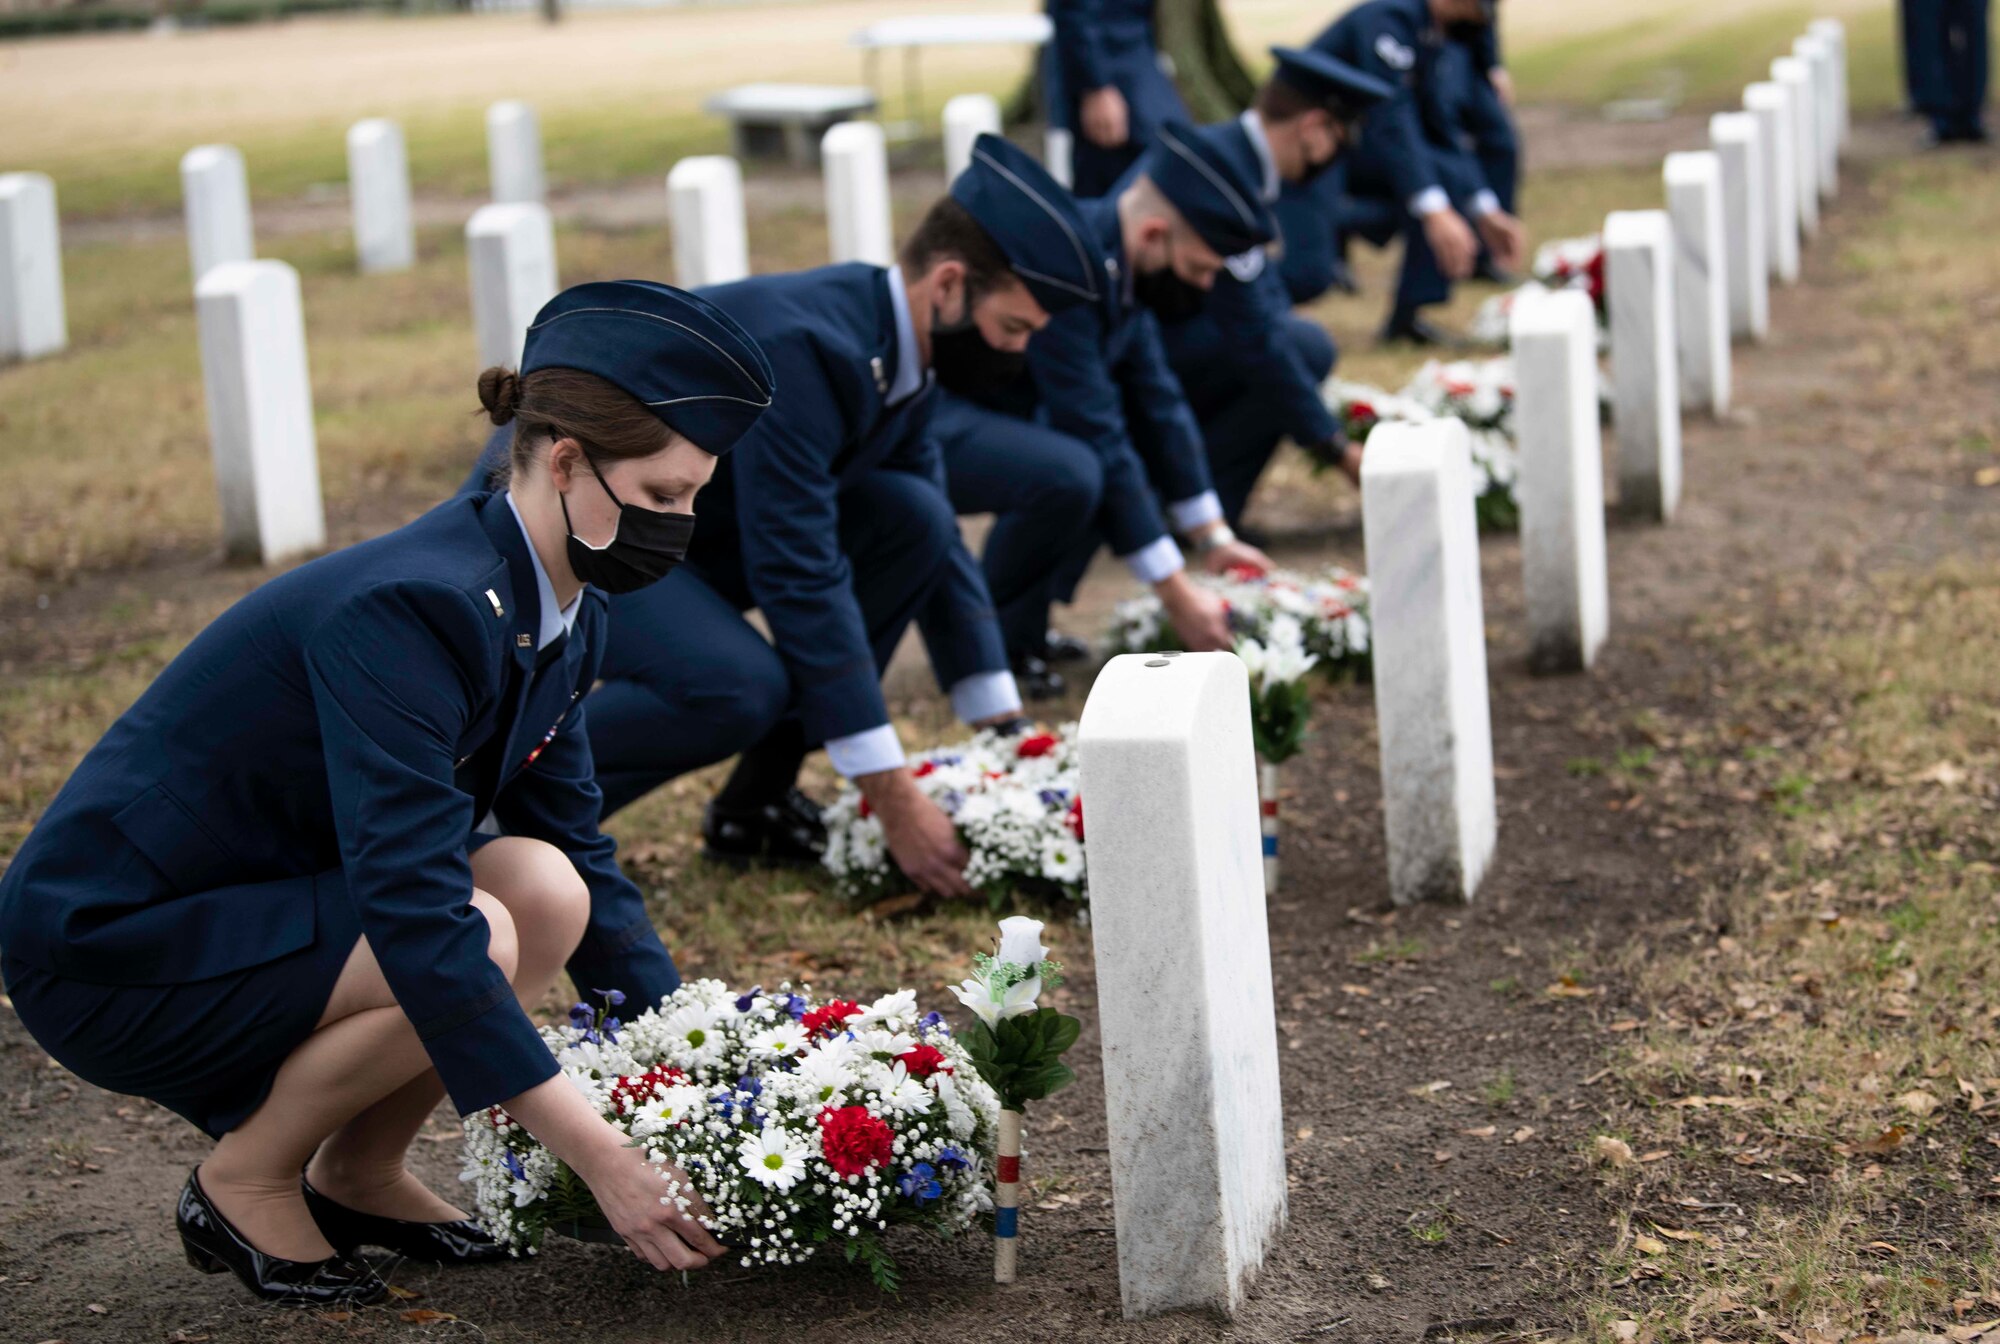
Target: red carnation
x=925, y=769
x=829, y=1020
x=866, y=811
x=1041, y=744
x=854, y=1141
x=1360, y=409
x=1075, y=818
x=1245, y=573
x=923, y=1060
x=629, y=1091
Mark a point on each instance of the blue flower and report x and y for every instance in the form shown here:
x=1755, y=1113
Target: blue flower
x=952, y=1159
x=920, y=1183
x=1053, y=797
x=513, y=1165
x=932, y=1021
x=796, y=1006
x=611, y=1025
x=743, y=1001
x=614, y=997
x=581, y=1016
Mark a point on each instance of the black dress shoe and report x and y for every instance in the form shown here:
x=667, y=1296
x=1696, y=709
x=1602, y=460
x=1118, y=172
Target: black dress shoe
x=1486, y=270
x=1417, y=331
x=786, y=834
x=213, y=1245
x=458, y=1242
x=1036, y=679
x=1058, y=647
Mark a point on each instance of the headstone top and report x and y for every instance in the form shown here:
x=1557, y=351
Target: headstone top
x=1693, y=166
x=1417, y=450
x=1732, y=127
x=1556, y=312
x=1637, y=228
x=1764, y=93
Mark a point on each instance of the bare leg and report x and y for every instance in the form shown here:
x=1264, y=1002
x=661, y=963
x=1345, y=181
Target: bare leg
x=364, y=1050
x=361, y=1165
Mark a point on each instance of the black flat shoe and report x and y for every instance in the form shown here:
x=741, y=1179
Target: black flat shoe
x=787, y=834
x=213, y=1245
x=1418, y=331
x=1037, y=680
x=1058, y=647
x=459, y=1242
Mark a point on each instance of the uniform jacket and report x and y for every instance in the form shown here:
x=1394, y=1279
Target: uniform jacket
x=348, y=721
x=1109, y=42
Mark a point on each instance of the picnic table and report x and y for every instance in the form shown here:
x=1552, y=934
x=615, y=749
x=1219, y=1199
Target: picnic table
x=912, y=33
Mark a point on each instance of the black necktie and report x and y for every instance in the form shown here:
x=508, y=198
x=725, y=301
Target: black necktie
x=551, y=651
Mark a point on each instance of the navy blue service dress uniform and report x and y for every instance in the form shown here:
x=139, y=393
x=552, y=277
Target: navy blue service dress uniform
x=309, y=770
x=1066, y=456
x=1252, y=369
x=1414, y=155
x=1099, y=44
x=1946, y=54
x=1104, y=373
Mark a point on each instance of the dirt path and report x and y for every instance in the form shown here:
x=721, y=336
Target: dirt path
x=1405, y=1211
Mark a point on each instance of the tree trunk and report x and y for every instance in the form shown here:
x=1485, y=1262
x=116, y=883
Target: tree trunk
x=552, y=10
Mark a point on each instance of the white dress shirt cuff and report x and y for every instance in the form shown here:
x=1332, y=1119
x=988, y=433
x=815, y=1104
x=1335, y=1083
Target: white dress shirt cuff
x=1188, y=514
x=984, y=695
x=1155, y=560
x=1485, y=203
x=867, y=752
x=1429, y=201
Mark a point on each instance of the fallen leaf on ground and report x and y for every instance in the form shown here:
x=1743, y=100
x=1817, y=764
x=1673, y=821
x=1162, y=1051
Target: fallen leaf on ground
x=404, y=1294
x=1617, y=1152
x=1986, y=476
x=1624, y=1331
x=1944, y=773
x=1568, y=988
x=1888, y=1141
x=426, y=1316
x=1377, y=1282
x=1918, y=1102
x=1973, y=1331
x=1442, y=1156
x=1361, y=990
x=1657, y=1155
x=1483, y=1132
x=1728, y=1103
x=1649, y=1245
x=1521, y=1135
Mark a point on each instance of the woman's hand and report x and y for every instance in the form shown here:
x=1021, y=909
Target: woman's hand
x=637, y=1199
x=634, y=1195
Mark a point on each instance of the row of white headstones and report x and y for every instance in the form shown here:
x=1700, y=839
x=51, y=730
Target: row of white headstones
x=1176, y=879
x=1184, y=991
x=251, y=318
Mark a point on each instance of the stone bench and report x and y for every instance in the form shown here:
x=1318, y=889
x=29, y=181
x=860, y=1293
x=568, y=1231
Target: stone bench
x=772, y=120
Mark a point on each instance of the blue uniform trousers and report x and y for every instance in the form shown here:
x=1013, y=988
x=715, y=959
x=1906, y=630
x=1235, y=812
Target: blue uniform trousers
x=1241, y=427
x=1947, y=55
x=1043, y=488
x=688, y=682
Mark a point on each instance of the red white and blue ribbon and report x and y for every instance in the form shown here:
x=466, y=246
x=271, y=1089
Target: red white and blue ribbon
x=1007, y=1197
x=1267, y=805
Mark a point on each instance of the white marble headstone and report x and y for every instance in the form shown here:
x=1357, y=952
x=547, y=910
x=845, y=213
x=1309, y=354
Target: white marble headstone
x=216, y=194
x=1738, y=143
x=1058, y=151
x=1554, y=341
x=855, y=159
x=1794, y=76
x=510, y=252
x=33, y=319
x=1429, y=642
x=1771, y=105
x=1834, y=33
x=705, y=204
x=1645, y=367
x=966, y=118
x=514, y=152
x=1818, y=54
x=1175, y=857
x=378, y=180
x=260, y=418
x=1701, y=279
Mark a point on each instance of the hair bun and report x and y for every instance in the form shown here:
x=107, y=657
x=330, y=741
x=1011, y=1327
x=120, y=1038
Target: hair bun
x=500, y=393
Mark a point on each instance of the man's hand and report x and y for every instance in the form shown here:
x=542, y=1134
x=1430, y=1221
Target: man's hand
x=1199, y=617
x=1505, y=238
x=1452, y=241
x=920, y=837
x=1106, y=122
x=1350, y=462
x=1236, y=554
x=1503, y=84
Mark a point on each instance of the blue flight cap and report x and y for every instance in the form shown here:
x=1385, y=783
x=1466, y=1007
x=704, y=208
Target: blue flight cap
x=1034, y=222
x=1211, y=190
x=1346, y=90
x=683, y=357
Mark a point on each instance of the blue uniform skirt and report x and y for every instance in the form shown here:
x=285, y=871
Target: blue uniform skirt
x=208, y=1051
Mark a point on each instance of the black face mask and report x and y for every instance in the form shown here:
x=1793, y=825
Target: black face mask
x=1170, y=298
x=643, y=550
x=965, y=363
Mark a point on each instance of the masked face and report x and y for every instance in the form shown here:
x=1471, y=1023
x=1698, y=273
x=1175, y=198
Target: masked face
x=964, y=360
x=643, y=549
x=1169, y=297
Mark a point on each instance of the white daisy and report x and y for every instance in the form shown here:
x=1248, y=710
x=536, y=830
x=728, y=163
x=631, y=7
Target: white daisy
x=693, y=1034
x=773, y=1158
x=827, y=1072
x=782, y=1040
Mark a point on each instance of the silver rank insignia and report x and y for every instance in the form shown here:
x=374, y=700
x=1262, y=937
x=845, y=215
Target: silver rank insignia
x=881, y=378
x=494, y=598
x=1393, y=53
x=1246, y=266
